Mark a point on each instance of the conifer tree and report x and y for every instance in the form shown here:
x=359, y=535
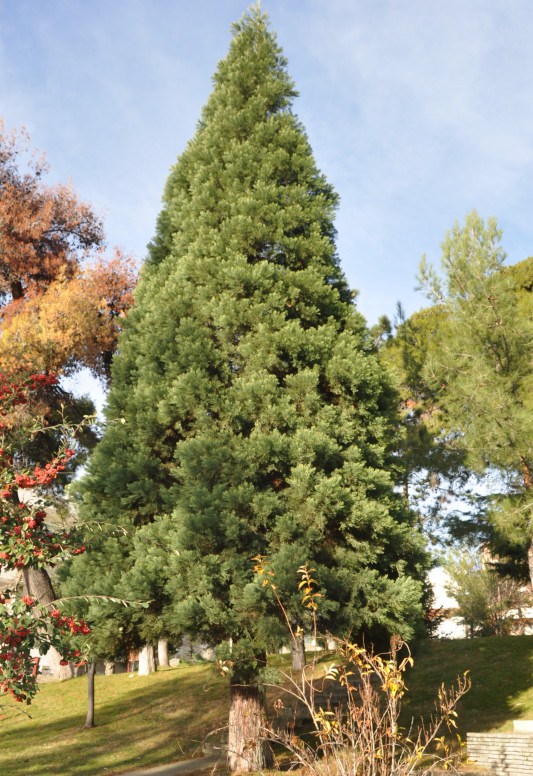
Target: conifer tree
x=448, y=361
x=257, y=417
x=481, y=369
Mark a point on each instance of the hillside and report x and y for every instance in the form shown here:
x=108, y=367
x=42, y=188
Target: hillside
x=501, y=670
x=143, y=721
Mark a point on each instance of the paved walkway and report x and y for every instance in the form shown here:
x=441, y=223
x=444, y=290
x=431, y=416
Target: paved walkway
x=179, y=768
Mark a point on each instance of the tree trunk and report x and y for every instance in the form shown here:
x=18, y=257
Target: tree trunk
x=527, y=473
x=162, y=652
x=248, y=750
x=109, y=667
x=298, y=652
x=146, y=660
x=17, y=292
x=38, y=585
x=89, y=719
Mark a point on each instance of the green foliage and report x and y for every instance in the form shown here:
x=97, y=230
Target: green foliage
x=482, y=365
x=481, y=368
x=434, y=467
x=465, y=374
x=490, y=604
x=257, y=416
x=112, y=623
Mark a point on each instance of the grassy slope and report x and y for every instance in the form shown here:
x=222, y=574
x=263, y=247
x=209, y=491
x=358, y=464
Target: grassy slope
x=145, y=721
x=501, y=670
x=141, y=721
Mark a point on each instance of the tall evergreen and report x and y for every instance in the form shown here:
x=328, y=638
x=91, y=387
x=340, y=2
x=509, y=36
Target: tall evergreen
x=481, y=372
x=258, y=419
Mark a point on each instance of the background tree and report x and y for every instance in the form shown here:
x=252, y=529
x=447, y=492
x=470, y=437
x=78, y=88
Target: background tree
x=148, y=580
x=433, y=463
x=61, y=299
x=489, y=603
x=71, y=323
x=481, y=367
x=453, y=500
x=111, y=630
x=133, y=566
x=258, y=418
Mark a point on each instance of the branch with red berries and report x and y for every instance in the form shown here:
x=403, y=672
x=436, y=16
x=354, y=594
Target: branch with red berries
x=25, y=630
x=29, y=541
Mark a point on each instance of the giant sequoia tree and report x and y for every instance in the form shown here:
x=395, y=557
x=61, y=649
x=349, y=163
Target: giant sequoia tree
x=257, y=417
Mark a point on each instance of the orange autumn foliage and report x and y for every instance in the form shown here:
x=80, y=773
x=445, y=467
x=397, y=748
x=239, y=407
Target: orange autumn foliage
x=61, y=299
x=74, y=321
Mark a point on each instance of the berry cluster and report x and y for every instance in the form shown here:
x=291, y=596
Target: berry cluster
x=26, y=541
x=26, y=629
x=14, y=392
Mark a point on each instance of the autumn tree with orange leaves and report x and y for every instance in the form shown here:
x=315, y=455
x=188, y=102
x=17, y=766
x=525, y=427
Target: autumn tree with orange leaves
x=61, y=298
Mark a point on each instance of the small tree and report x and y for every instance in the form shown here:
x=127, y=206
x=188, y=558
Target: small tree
x=29, y=542
x=488, y=603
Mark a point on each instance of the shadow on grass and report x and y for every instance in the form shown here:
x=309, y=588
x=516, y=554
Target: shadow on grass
x=501, y=670
x=148, y=723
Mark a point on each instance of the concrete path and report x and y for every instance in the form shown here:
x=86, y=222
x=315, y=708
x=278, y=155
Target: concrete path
x=180, y=768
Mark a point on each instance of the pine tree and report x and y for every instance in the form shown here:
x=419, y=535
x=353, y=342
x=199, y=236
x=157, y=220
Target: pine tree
x=481, y=369
x=445, y=361
x=257, y=417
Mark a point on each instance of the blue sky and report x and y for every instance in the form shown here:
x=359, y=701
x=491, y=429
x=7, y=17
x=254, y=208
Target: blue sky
x=417, y=111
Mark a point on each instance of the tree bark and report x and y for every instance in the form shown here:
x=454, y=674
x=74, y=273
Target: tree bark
x=38, y=585
x=109, y=667
x=528, y=487
x=298, y=652
x=17, y=292
x=89, y=719
x=248, y=749
x=162, y=652
x=146, y=660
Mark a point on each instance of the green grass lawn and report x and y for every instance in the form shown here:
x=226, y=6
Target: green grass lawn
x=141, y=721
x=144, y=721
x=501, y=670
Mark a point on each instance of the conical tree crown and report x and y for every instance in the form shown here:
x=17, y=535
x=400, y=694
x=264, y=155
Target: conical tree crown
x=247, y=186
x=247, y=377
